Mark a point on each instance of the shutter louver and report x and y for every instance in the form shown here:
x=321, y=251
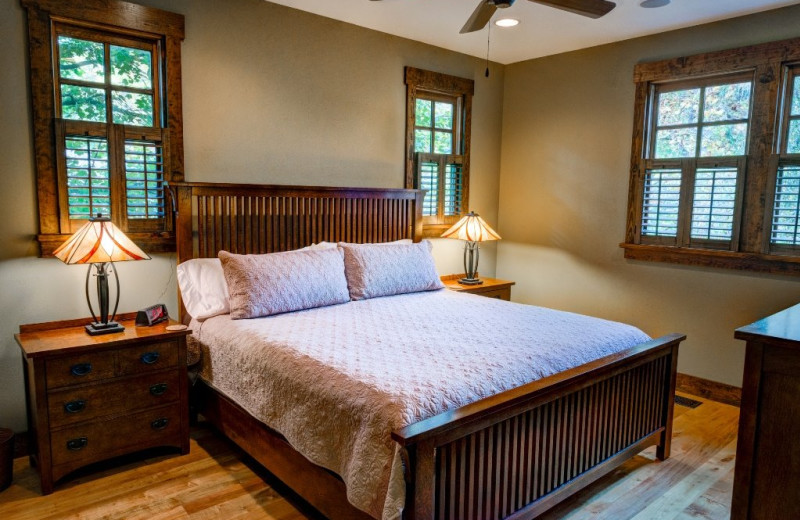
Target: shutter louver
x=429, y=181
x=453, y=189
x=662, y=189
x=714, y=203
x=786, y=210
x=88, y=188
x=144, y=179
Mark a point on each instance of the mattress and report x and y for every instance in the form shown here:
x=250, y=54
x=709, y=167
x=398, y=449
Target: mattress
x=336, y=381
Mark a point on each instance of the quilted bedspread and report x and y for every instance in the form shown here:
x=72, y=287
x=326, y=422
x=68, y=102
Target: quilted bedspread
x=335, y=381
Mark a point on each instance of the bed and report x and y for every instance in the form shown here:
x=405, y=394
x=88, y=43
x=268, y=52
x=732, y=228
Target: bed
x=513, y=454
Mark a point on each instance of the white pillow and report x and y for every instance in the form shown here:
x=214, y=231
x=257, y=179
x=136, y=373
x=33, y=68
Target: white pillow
x=263, y=285
x=375, y=270
x=204, y=290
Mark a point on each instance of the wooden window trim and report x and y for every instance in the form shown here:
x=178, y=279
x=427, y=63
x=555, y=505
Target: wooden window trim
x=117, y=17
x=430, y=83
x=767, y=63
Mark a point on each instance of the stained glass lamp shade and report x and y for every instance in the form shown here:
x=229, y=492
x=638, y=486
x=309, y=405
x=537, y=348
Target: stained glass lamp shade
x=100, y=243
x=472, y=229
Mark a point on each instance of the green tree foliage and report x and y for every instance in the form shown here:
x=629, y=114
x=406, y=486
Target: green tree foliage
x=83, y=61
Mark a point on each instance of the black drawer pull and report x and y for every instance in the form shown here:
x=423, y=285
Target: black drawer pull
x=159, y=424
x=77, y=444
x=81, y=369
x=75, y=406
x=148, y=358
x=158, y=389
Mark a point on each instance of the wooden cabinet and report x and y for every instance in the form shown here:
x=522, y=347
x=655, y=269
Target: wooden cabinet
x=491, y=287
x=91, y=398
x=766, y=482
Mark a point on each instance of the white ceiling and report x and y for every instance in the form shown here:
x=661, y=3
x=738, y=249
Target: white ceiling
x=542, y=30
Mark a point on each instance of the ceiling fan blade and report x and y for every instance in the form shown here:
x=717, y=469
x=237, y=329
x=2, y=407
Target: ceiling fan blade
x=590, y=8
x=480, y=17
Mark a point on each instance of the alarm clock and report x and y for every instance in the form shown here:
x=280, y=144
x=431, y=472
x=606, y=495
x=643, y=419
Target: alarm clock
x=152, y=315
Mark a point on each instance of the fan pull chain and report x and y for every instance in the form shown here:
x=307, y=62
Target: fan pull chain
x=488, y=36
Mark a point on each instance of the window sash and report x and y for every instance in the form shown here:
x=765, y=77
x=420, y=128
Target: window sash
x=153, y=46
x=656, y=90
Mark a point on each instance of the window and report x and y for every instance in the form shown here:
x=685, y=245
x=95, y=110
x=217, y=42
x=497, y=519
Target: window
x=698, y=143
x=438, y=145
x=106, y=94
x=715, y=173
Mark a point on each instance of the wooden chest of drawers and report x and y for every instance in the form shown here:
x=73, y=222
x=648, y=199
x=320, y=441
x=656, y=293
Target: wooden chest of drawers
x=91, y=398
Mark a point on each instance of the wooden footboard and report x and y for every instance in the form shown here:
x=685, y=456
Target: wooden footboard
x=517, y=454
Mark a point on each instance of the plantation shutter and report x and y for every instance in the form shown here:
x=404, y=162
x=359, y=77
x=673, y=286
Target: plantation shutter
x=442, y=178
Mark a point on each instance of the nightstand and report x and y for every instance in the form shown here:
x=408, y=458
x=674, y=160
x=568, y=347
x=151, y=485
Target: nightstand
x=92, y=398
x=491, y=287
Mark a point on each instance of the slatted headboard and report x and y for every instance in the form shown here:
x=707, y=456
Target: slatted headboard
x=253, y=218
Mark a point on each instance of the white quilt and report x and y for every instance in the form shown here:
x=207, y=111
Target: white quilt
x=335, y=381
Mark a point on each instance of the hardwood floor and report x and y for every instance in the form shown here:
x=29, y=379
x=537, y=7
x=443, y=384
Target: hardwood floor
x=216, y=480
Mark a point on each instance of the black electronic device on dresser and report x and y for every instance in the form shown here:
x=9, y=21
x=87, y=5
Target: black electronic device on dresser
x=92, y=398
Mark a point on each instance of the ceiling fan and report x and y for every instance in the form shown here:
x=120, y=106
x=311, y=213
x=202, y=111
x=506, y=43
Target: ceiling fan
x=483, y=13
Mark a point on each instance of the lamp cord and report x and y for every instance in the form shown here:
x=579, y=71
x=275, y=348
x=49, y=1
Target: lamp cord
x=172, y=267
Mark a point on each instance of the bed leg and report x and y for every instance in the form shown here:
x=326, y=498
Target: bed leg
x=665, y=443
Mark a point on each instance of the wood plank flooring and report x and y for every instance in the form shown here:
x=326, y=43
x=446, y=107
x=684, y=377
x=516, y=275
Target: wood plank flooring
x=216, y=480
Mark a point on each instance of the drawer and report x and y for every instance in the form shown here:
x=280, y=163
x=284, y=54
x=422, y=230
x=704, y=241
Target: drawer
x=146, y=358
x=116, y=397
x=89, y=442
x=81, y=368
x=502, y=294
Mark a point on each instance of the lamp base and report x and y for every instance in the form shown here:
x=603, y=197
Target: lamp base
x=97, y=328
x=470, y=281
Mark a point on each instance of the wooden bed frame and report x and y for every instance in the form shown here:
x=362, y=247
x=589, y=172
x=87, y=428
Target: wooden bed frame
x=513, y=455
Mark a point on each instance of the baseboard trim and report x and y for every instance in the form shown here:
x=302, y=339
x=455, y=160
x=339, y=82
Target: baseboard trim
x=708, y=389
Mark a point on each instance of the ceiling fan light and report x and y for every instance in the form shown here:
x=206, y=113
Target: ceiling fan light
x=654, y=3
x=506, y=22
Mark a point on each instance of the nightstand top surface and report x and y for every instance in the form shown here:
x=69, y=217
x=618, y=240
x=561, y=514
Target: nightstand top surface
x=451, y=282
x=41, y=340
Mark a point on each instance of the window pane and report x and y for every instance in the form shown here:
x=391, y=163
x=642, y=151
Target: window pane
x=452, y=189
x=423, y=113
x=678, y=142
x=422, y=141
x=88, y=187
x=680, y=107
x=793, y=141
x=144, y=179
x=132, y=109
x=131, y=67
x=429, y=180
x=83, y=103
x=725, y=102
x=714, y=201
x=723, y=140
x=80, y=59
x=796, y=97
x=662, y=190
x=786, y=212
x=444, y=115
x=443, y=143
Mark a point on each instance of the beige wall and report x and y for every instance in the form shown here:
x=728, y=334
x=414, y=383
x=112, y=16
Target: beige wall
x=271, y=95
x=567, y=127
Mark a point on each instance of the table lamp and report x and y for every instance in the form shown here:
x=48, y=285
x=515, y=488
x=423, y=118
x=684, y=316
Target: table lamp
x=100, y=243
x=473, y=229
